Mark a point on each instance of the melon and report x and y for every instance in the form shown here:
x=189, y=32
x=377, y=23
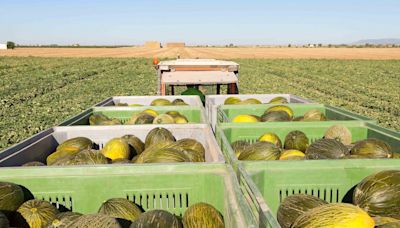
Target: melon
x=296, y=140
x=272, y=138
x=245, y=119
x=314, y=115
x=340, y=215
x=295, y=205
x=379, y=194
x=160, y=102
x=156, y=218
x=64, y=219
x=75, y=144
x=275, y=116
x=4, y=223
x=34, y=163
x=121, y=104
x=372, y=148
x=250, y=101
x=232, y=100
x=136, y=145
x=97, y=118
x=95, y=221
x=164, y=119
x=121, y=161
x=38, y=213
x=151, y=112
x=285, y=108
x=166, y=155
x=339, y=133
x=239, y=146
x=193, y=155
x=87, y=157
x=384, y=220
x=180, y=119
x=261, y=151
x=11, y=197
x=292, y=155
x=120, y=208
x=202, y=215
x=144, y=118
x=390, y=225
x=192, y=144
x=116, y=148
x=326, y=149
x=59, y=155
x=158, y=135
x=278, y=100
x=178, y=101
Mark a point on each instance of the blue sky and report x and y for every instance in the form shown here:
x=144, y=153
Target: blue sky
x=197, y=22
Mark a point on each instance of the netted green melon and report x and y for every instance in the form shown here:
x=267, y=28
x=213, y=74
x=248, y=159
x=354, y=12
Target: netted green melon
x=160, y=102
x=116, y=148
x=4, y=223
x=64, y=219
x=334, y=215
x=372, y=148
x=275, y=116
x=136, y=145
x=164, y=119
x=383, y=220
x=284, y=108
x=272, y=138
x=296, y=140
x=239, y=146
x=202, y=215
x=232, y=100
x=326, y=149
x=75, y=144
x=314, y=115
x=95, y=221
x=278, y=100
x=295, y=205
x=188, y=143
x=379, y=194
x=158, y=135
x=34, y=163
x=38, y=213
x=166, y=155
x=261, y=151
x=156, y=218
x=178, y=101
x=120, y=208
x=339, y=133
x=11, y=197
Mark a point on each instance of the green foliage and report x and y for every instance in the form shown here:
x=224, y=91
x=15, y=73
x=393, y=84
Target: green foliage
x=10, y=45
x=38, y=93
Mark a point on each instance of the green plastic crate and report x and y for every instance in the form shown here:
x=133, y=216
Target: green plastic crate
x=192, y=113
x=227, y=112
x=268, y=184
x=173, y=189
x=228, y=133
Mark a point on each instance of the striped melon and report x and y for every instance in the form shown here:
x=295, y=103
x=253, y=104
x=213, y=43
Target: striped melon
x=202, y=215
x=157, y=135
x=295, y=205
x=372, y=148
x=239, y=146
x=4, y=221
x=156, y=218
x=296, y=140
x=327, y=149
x=135, y=144
x=379, y=194
x=335, y=215
x=166, y=155
x=95, y=221
x=120, y=208
x=64, y=219
x=384, y=220
x=75, y=144
x=261, y=151
x=188, y=143
x=11, y=197
x=38, y=213
x=34, y=163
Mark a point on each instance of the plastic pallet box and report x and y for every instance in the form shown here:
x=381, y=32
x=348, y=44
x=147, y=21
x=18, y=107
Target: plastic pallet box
x=228, y=133
x=146, y=100
x=192, y=113
x=84, y=190
x=266, y=186
x=227, y=112
x=213, y=101
x=38, y=147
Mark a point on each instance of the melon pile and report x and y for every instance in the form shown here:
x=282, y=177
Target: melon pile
x=148, y=116
x=158, y=102
x=16, y=211
x=337, y=143
x=280, y=113
x=375, y=203
x=160, y=146
x=238, y=101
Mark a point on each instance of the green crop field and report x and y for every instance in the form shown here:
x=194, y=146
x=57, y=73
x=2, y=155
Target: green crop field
x=37, y=93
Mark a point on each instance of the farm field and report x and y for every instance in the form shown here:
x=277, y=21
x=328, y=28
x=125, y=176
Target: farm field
x=37, y=93
x=219, y=53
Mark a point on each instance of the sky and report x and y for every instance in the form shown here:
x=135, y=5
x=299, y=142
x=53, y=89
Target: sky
x=200, y=22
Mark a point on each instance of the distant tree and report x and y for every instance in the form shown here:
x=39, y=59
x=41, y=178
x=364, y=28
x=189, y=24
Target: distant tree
x=329, y=45
x=10, y=45
x=231, y=45
x=289, y=45
x=319, y=45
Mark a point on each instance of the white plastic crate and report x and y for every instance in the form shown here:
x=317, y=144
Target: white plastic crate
x=213, y=101
x=146, y=100
x=39, y=146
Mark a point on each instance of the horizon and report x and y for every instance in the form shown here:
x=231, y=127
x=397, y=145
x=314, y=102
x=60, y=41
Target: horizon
x=100, y=23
